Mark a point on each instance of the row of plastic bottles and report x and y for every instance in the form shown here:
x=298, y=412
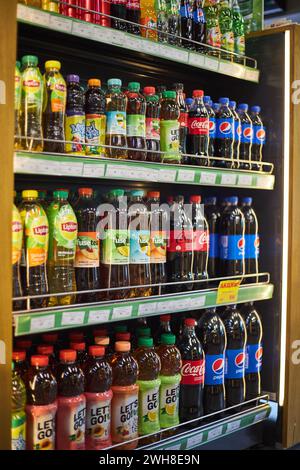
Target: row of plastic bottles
x=111, y=396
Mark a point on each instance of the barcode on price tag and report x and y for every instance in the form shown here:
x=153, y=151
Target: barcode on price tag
x=96, y=316
x=46, y=322
x=231, y=427
x=214, y=433
x=186, y=175
x=72, y=318
x=121, y=312
x=194, y=441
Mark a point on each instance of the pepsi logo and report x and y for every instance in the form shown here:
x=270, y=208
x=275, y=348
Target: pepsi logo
x=259, y=354
x=248, y=133
x=261, y=135
x=241, y=244
x=212, y=126
x=240, y=360
x=257, y=242
x=225, y=127
x=239, y=130
x=218, y=366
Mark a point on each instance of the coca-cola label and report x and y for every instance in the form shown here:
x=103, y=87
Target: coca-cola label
x=183, y=119
x=180, y=241
x=201, y=240
x=198, y=125
x=132, y=4
x=192, y=372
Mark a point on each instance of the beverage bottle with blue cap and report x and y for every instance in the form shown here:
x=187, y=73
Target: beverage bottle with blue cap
x=186, y=23
x=198, y=26
x=237, y=133
x=259, y=137
x=116, y=103
x=246, y=137
x=212, y=125
x=189, y=102
x=213, y=215
x=225, y=135
x=216, y=107
x=251, y=237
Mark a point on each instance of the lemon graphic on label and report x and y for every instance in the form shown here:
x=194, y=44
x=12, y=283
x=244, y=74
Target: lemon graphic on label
x=152, y=416
x=170, y=409
x=123, y=250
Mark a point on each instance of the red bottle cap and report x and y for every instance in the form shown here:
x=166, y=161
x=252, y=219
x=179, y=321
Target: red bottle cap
x=100, y=332
x=122, y=346
x=76, y=337
x=149, y=90
x=165, y=318
x=170, y=199
x=195, y=199
x=123, y=336
x=198, y=93
x=97, y=351
x=190, y=322
x=39, y=361
x=153, y=195
x=77, y=346
x=19, y=356
x=67, y=355
x=50, y=338
x=24, y=344
x=85, y=191
x=45, y=349
x=102, y=340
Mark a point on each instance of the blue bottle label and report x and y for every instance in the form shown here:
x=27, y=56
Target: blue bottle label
x=232, y=247
x=247, y=133
x=116, y=123
x=139, y=246
x=214, y=369
x=212, y=128
x=259, y=135
x=185, y=11
x=254, y=354
x=214, y=245
x=235, y=363
x=251, y=246
x=237, y=130
x=225, y=128
x=198, y=16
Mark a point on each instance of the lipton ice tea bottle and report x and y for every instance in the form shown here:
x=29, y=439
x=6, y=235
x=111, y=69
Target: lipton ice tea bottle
x=17, y=240
x=95, y=119
x=75, y=117
x=136, y=122
x=71, y=412
x=41, y=405
x=62, y=247
x=149, y=383
x=169, y=128
x=98, y=380
x=35, y=248
x=125, y=396
x=18, y=417
x=18, y=89
x=31, y=105
x=116, y=103
x=170, y=381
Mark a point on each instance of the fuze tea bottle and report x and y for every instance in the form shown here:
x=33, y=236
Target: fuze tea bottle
x=35, y=247
x=149, y=383
x=95, y=119
x=31, y=105
x=116, y=103
x=98, y=380
x=136, y=122
x=18, y=417
x=71, y=412
x=62, y=247
x=170, y=381
x=75, y=117
x=17, y=240
x=87, y=259
x=54, y=108
x=41, y=405
x=18, y=90
x=169, y=128
x=124, y=423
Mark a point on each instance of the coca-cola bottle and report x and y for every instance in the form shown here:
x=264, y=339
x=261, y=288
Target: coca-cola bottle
x=198, y=130
x=192, y=373
x=200, y=242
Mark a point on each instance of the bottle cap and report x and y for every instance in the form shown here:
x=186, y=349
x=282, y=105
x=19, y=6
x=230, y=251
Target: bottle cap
x=190, y=322
x=255, y=109
x=123, y=336
x=152, y=98
x=18, y=64
x=224, y=101
x=232, y=104
x=243, y=107
x=24, y=344
x=76, y=337
x=97, y=351
x=178, y=86
x=170, y=199
x=198, y=93
x=73, y=78
x=114, y=82
x=206, y=99
x=77, y=346
x=100, y=332
x=179, y=199
x=45, y=349
x=247, y=200
x=210, y=200
x=137, y=193
x=216, y=106
x=50, y=338
x=85, y=192
x=102, y=340
x=30, y=60
x=149, y=90
x=94, y=82
x=195, y=199
x=52, y=64
x=189, y=101
x=165, y=318
x=30, y=194
x=116, y=193
x=67, y=355
x=134, y=86
x=120, y=328
x=42, y=194
x=169, y=94
x=143, y=331
x=61, y=194
x=168, y=338
x=234, y=200
x=153, y=195
x=39, y=361
x=122, y=346
x=146, y=342
x=19, y=356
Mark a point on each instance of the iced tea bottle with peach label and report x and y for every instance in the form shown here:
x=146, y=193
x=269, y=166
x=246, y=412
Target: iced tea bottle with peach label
x=170, y=381
x=71, y=412
x=124, y=423
x=41, y=405
x=98, y=376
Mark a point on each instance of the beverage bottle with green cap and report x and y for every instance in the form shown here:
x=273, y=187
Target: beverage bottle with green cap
x=116, y=103
x=149, y=384
x=169, y=128
x=17, y=240
x=75, y=117
x=18, y=90
x=170, y=381
x=95, y=119
x=140, y=332
x=54, y=108
x=35, y=248
x=162, y=20
x=212, y=33
x=136, y=122
x=62, y=247
x=226, y=27
x=152, y=126
x=18, y=417
x=43, y=198
x=31, y=105
x=238, y=31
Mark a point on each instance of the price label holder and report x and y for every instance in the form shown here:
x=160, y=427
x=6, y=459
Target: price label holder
x=60, y=23
x=98, y=316
x=72, y=318
x=228, y=291
x=44, y=323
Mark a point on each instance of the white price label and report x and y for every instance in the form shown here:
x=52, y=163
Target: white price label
x=233, y=426
x=245, y=180
x=102, y=34
x=61, y=24
x=196, y=59
x=97, y=316
x=83, y=29
x=207, y=178
x=117, y=37
x=115, y=171
x=22, y=12
x=72, y=318
x=39, y=17
x=198, y=302
x=174, y=447
x=228, y=179
x=132, y=43
x=164, y=307
x=214, y=433
x=147, y=308
x=186, y=175
x=234, y=70
x=211, y=64
x=167, y=175
x=46, y=322
x=264, y=182
x=252, y=75
x=194, y=441
x=121, y=312
x=164, y=51
x=24, y=165
x=260, y=416
x=71, y=168
x=93, y=171
x=180, y=304
x=150, y=47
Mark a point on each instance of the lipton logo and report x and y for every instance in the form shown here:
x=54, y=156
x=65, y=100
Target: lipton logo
x=225, y=127
x=261, y=135
x=241, y=244
x=189, y=369
x=240, y=360
x=248, y=132
x=259, y=354
x=218, y=366
x=60, y=87
x=16, y=226
x=200, y=124
x=42, y=230
x=32, y=83
x=69, y=227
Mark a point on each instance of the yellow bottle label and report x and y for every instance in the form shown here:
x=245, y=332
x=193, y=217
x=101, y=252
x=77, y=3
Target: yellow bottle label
x=75, y=133
x=17, y=236
x=18, y=431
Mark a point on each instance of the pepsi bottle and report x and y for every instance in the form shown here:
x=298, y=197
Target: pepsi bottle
x=189, y=102
x=186, y=24
x=259, y=137
x=198, y=26
x=211, y=332
x=254, y=350
x=232, y=239
x=237, y=133
x=200, y=242
x=246, y=137
x=225, y=135
x=251, y=238
x=198, y=130
x=216, y=107
x=212, y=125
x=235, y=357
x=213, y=216
x=192, y=373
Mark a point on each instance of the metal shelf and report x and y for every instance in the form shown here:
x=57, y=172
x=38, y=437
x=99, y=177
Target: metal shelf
x=113, y=169
x=71, y=26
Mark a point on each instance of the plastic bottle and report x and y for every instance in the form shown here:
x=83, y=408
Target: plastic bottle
x=246, y=137
x=75, y=117
x=25, y=345
x=31, y=105
x=95, y=119
x=118, y=11
x=162, y=20
x=200, y=242
x=198, y=26
x=18, y=91
x=48, y=350
x=213, y=32
x=139, y=233
x=238, y=26
x=213, y=215
x=62, y=247
x=159, y=90
x=18, y=417
x=68, y=10
x=226, y=27
x=49, y=5
x=85, y=15
x=149, y=383
x=251, y=238
x=116, y=103
x=71, y=412
x=186, y=23
x=87, y=258
x=183, y=119
x=136, y=122
x=133, y=14
x=169, y=128
x=259, y=137
x=52, y=339
x=173, y=22
x=35, y=248
x=98, y=379
x=54, y=108
x=41, y=405
x=164, y=328
x=43, y=199
x=225, y=135
x=152, y=127
x=198, y=130
x=81, y=352
x=212, y=125
x=17, y=241
x=188, y=102
x=170, y=381
x=237, y=134
x=124, y=423
x=148, y=19
x=115, y=250
x=20, y=363
x=101, y=6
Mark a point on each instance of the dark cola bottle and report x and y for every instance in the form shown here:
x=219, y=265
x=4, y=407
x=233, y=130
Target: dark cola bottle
x=246, y=137
x=118, y=12
x=200, y=242
x=225, y=135
x=186, y=24
x=198, y=26
x=212, y=125
x=198, y=130
x=192, y=374
x=213, y=216
x=251, y=239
